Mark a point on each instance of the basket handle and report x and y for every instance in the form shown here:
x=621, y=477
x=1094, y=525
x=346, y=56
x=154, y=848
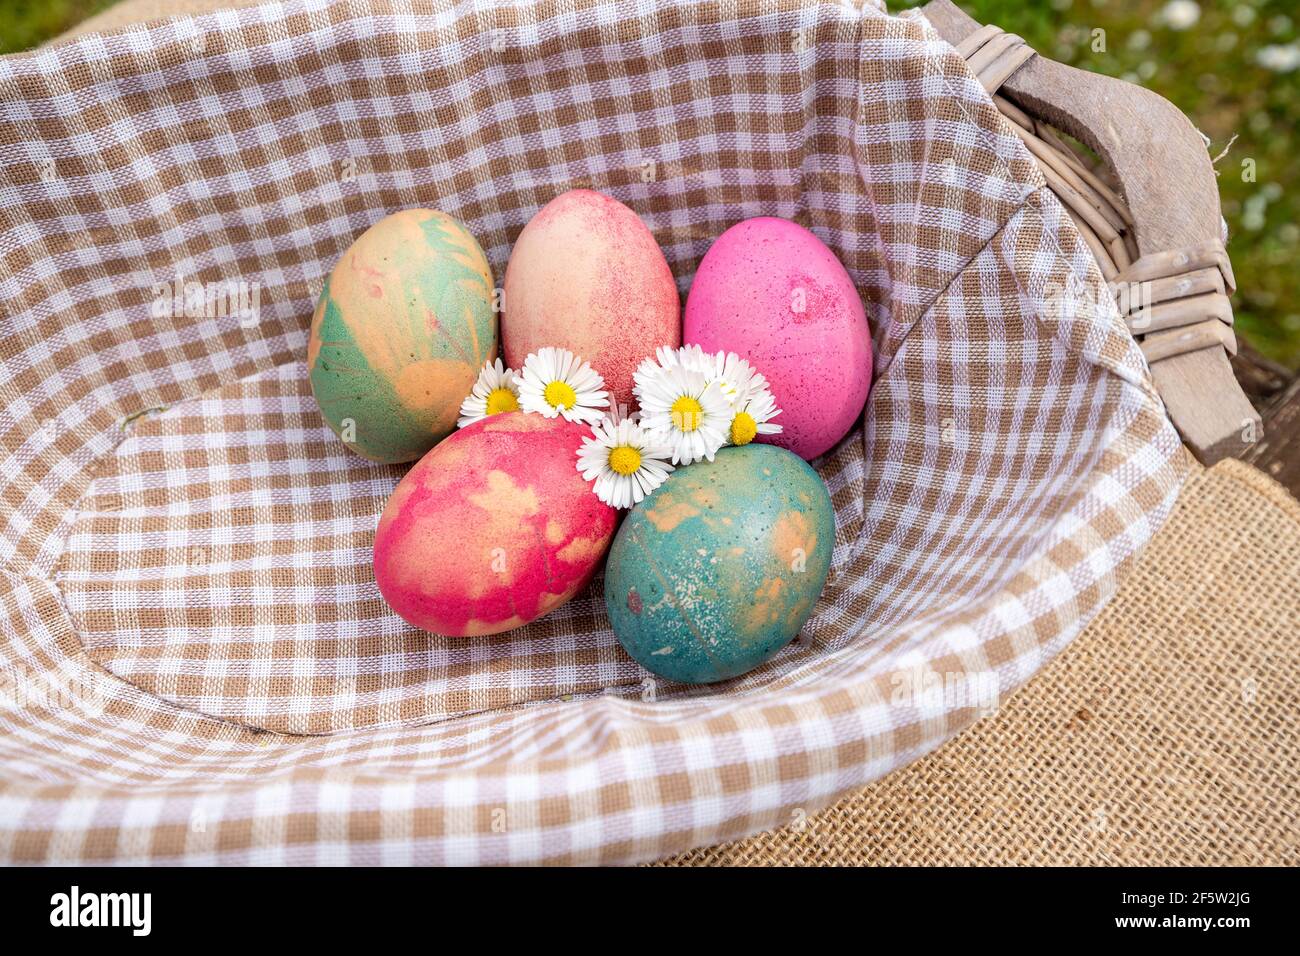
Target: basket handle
x=1164, y=172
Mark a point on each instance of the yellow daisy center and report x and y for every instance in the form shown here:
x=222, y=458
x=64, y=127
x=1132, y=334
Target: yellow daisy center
x=687, y=413
x=502, y=400
x=560, y=395
x=743, y=428
x=625, y=460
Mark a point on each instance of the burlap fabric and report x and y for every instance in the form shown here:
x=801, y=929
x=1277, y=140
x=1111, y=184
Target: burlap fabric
x=197, y=663
x=1165, y=735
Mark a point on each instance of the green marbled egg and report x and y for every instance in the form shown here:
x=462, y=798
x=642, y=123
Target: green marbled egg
x=720, y=567
x=403, y=326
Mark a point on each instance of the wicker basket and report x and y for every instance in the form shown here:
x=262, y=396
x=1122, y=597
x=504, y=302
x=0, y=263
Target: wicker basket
x=198, y=662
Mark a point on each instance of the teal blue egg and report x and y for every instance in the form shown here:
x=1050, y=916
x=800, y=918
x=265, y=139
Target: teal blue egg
x=720, y=567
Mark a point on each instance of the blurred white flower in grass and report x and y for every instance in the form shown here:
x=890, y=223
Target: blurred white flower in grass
x=1254, y=214
x=1180, y=14
x=1279, y=58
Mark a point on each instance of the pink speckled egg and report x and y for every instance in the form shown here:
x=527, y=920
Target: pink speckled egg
x=770, y=291
x=493, y=528
x=588, y=276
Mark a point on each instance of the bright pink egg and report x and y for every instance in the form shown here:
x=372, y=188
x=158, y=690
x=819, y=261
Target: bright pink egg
x=493, y=528
x=770, y=291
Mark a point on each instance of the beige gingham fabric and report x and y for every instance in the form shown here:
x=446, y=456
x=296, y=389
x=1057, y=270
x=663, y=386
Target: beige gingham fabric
x=1167, y=734
x=196, y=663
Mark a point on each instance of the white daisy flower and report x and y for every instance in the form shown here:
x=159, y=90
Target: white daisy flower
x=752, y=404
x=734, y=375
x=651, y=367
x=687, y=356
x=496, y=391
x=752, y=415
x=557, y=382
x=744, y=388
x=686, y=410
x=626, y=461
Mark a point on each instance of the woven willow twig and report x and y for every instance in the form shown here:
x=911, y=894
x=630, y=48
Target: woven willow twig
x=1166, y=264
x=1179, y=295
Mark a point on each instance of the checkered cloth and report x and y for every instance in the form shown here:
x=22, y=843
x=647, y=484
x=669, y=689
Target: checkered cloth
x=195, y=663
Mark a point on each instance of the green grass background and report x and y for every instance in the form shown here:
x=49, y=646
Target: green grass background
x=28, y=23
x=1227, y=71
x=1235, y=71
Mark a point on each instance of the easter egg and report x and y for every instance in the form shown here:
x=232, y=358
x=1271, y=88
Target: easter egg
x=403, y=325
x=770, y=291
x=720, y=566
x=587, y=275
x=492, y=528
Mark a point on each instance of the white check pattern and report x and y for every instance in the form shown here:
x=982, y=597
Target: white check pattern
x=195, y=664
